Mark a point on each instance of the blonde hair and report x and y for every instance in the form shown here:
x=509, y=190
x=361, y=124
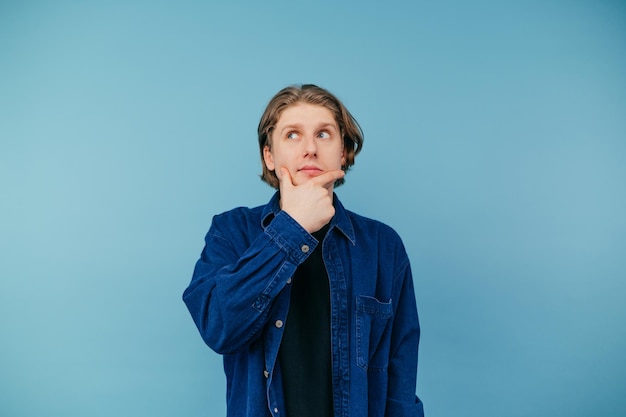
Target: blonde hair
x=308, y=93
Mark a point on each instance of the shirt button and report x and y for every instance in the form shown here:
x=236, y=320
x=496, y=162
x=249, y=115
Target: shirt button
x=266, y=373
x=276, y=410
x=278, y=323
x=289, y=280
x=304, y=248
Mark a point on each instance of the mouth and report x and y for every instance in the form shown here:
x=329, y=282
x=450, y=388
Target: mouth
x=310, y=170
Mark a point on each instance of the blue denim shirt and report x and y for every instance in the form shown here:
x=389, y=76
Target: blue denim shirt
x=239, y=299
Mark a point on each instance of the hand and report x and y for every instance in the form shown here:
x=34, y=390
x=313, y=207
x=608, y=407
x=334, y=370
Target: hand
x=310, y=203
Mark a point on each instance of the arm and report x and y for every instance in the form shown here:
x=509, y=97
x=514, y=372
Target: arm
x=401, y=398
x=232, y=289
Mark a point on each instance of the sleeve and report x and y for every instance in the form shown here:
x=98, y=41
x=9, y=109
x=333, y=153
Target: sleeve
x=401, y=398
x=231, y=292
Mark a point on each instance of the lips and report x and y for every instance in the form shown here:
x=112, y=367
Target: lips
x=310, y=170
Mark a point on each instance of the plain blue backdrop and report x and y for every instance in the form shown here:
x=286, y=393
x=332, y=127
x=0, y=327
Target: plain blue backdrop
x=495, y=144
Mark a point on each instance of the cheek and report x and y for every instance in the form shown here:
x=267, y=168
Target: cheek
x=284, y=157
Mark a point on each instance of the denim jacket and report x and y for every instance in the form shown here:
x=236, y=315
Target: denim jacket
x=239, y=299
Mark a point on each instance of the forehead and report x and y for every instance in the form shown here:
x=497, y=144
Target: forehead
x=306, y=114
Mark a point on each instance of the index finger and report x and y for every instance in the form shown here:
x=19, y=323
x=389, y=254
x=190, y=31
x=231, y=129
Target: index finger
x=285, y=178
x=328, y=178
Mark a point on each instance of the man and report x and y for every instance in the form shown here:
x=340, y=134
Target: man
x=311, y=305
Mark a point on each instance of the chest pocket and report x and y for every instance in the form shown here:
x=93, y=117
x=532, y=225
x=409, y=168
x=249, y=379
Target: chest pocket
x=372, y=319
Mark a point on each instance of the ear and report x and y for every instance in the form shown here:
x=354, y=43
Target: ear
x=343, y=157
x=268, y=158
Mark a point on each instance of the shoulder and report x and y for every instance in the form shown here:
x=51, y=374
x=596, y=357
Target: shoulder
x=363, y=226
x=379, y=246
x=371, y=229
x=239, y=213
x=362, y=222
x=237, y=218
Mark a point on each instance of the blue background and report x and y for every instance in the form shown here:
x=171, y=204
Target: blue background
x=495, y=143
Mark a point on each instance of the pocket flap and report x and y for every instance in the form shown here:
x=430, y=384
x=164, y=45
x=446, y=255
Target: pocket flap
x=372, y=306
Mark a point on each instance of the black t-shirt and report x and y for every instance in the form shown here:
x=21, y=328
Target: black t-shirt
x=305, y=349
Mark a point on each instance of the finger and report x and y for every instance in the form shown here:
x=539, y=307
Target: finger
x=285, y=180
x=328, y=178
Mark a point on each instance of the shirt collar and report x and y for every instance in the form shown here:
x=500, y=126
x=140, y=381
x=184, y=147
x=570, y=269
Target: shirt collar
x=341, y=219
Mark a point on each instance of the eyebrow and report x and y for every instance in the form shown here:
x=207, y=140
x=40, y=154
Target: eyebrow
x=291, y=126
x=323, y=125
x=327, y=125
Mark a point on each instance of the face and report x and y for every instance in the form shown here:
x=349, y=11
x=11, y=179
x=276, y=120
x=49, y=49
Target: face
x=306, y=140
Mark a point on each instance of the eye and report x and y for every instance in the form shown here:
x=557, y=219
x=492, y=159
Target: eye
x=292, y=135
x=323, y=135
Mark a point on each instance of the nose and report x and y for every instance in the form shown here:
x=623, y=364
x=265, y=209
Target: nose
x=310, y=146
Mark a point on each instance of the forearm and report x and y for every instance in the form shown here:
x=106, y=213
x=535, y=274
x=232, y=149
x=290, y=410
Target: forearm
x=232, y=291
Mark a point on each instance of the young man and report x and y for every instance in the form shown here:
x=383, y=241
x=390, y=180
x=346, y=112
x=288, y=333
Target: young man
x=311, y=305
